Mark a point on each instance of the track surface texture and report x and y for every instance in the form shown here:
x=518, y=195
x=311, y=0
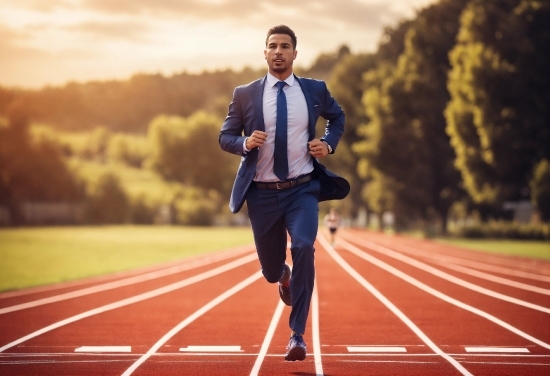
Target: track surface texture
x=383, y=305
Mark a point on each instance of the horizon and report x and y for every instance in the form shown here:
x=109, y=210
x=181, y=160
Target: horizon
x=80, y=41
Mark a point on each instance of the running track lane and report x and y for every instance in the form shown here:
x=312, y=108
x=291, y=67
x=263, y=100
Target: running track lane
x=377, y=312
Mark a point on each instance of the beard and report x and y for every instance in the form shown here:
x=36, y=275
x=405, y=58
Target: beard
x=280, y=68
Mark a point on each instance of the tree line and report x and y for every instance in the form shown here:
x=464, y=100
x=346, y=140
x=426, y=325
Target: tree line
x=448, y=117
x=451, y=113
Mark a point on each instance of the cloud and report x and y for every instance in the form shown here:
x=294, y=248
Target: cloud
x=369, y=15
x=112, y=18
x=46, y=6
x=59, y=40
x=12, y=37
x=133, y=31
x=23, y=64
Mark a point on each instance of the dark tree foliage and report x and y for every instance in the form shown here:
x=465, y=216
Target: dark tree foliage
x=31, y=170
x=405, y=139
x=187, y=150
x=498, y=118
x=347, y=86
x=540, y=189
x=107, y=201
x=129, y=105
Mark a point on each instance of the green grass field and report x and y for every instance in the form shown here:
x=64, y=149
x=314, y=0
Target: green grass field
x=37, y=256
x=522, y=248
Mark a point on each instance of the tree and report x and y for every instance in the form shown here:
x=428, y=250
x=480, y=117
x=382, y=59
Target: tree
x=347, y=86
x=107, y=200
x=405, y=139
x=323, y=66
x=128, y=148
x=127, y=105
x=498, y=116
x=196, y=207
x=187, y=150
x=540, y=189
x=31, y=170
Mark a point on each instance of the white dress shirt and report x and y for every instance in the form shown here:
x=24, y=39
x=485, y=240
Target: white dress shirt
x=299, y=159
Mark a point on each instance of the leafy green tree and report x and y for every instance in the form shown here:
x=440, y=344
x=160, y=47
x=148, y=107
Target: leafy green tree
x=128, y=148
x=142, y=211
x=31, y=170
x=107, y=200
x=324, y=64
x=540, y=189
x=498, y=116
x=405, y=139
x=187, y=150
x=99, y=143
x=346, y=85
x=127, y=105
x=196, y=207
x=378, y=193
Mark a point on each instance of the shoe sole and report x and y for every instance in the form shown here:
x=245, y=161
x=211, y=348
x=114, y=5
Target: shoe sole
x=296, y=353
x=287, y=299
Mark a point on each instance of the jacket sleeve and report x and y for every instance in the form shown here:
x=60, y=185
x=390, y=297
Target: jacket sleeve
x=231, y=138
x=335, y=117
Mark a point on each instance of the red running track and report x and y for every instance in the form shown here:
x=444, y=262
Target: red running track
x=383, y=305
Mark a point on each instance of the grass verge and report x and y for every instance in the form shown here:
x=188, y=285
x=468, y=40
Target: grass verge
x=523, y=248
x=38, y=256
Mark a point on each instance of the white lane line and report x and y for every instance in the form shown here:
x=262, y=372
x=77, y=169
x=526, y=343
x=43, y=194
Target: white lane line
x=447, y=260
x=461, y=355
x=376, y=349
x=136, y=299
x=116, y=284
x=497, y=269
x=103, y=349
x=207, y=307
x=462, y=261
x=178, y=355
x=475, y=349
x=542, y=267
x=211, y=349
x=528, y=364
x=48, y=361
x=315, y=331
x=480, y=265
x=381, y=264
x=493, y=278
x=387, y=361
x=446, y=276
x=268, y=337
x=396, y=311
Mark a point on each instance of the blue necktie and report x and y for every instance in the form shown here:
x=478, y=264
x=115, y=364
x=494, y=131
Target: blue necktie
x=280, y=159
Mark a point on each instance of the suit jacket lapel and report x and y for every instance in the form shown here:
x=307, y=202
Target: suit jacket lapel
x=257, y=99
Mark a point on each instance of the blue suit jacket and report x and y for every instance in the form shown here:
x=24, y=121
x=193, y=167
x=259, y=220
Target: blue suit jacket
x=245, y=115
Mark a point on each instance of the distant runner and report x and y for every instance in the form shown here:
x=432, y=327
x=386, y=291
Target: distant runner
x=332, y=221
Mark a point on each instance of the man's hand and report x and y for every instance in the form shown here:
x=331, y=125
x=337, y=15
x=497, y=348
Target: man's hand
x=317, y=148
x=256, y=139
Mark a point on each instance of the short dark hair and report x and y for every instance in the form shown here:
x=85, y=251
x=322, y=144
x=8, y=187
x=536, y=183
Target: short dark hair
x=282, y=29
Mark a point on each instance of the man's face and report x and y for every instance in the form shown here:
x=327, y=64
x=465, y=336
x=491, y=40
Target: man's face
x=280, y=54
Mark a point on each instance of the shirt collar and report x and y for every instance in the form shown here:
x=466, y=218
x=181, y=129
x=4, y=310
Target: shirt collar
x=272, y=80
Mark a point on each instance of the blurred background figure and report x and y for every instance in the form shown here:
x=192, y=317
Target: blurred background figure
x=332, y=221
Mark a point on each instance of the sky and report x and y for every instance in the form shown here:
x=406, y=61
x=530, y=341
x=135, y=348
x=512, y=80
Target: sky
x=52, y=42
